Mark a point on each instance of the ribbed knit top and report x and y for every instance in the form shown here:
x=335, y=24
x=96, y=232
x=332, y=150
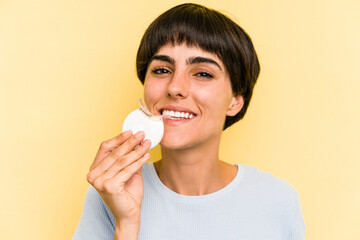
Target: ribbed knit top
x=254, y=205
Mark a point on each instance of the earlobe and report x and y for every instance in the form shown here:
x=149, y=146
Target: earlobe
x=237, y=102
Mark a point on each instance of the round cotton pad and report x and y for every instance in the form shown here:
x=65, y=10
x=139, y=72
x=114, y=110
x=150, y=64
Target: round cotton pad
x=153, y=127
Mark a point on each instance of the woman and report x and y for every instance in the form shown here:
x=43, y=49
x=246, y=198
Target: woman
x=200, y=68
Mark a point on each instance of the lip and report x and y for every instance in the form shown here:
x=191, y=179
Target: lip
x=175, y=108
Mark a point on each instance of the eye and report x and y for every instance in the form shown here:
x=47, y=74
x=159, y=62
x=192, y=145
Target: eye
x=161, y=71
x=204, y=75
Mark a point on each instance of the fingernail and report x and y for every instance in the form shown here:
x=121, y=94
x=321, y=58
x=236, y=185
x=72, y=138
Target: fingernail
x=127, y=133
x=140, y=134
x=146, y=143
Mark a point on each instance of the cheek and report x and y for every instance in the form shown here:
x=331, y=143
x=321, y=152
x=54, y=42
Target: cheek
x=214, y=100
x=153, y=90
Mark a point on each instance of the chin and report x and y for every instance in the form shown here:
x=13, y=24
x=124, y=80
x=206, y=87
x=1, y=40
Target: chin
x=174, y=142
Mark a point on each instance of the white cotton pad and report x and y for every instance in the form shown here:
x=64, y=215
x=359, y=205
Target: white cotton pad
x=152, y=126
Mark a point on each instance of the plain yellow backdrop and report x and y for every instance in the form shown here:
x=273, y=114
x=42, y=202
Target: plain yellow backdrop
x=67, y=81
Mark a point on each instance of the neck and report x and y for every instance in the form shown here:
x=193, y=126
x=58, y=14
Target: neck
x=194, y=171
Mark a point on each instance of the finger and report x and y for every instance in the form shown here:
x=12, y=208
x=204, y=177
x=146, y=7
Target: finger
x=121, y=150
x=130, y=170
x=124, y=161
x=127, y=146
x=107, y=146
x=116, y=155
x=124, y=175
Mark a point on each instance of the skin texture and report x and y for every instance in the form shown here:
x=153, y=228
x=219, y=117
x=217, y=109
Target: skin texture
x=191, y=78
x=183, y=78
x=116, y=175
x=203, y=88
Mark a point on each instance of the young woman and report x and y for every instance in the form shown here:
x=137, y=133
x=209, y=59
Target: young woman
x=200, y=68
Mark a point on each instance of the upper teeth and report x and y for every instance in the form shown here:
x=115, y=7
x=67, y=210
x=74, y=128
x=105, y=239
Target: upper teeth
x=177, y=114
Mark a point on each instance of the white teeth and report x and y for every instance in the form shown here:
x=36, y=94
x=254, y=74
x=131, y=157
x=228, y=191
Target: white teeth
x=176, y=114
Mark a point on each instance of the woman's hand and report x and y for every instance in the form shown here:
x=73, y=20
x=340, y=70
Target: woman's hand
x=116, y=175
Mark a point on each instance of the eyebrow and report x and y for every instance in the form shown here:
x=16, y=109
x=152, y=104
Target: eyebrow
x=163, y=58
x=192, y=60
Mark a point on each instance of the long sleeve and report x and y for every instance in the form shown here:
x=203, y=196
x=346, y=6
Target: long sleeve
x=97, y=221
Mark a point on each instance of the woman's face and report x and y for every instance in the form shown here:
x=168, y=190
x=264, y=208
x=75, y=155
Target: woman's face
x=193, y=86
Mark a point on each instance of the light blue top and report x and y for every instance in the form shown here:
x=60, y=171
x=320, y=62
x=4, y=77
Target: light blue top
x=255, y=205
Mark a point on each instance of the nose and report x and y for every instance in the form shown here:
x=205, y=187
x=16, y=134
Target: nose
x=179, y=86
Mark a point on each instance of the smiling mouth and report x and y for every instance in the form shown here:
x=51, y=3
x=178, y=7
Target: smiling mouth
x=177, y=115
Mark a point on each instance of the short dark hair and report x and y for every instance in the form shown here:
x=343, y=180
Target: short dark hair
x=212, y=31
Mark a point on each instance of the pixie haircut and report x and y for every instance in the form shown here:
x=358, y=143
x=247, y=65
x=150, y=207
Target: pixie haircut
x=212, y=31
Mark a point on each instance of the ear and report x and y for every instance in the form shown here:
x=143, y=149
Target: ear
x=237, y=102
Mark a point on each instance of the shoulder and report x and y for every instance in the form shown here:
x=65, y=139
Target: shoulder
x=259, y=178
x=97, y=221
x=95, y=205
x=275, y=198
x=264, y=185
x=93, y=197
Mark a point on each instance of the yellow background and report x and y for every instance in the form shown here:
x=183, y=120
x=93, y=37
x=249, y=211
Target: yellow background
x=67, y=81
